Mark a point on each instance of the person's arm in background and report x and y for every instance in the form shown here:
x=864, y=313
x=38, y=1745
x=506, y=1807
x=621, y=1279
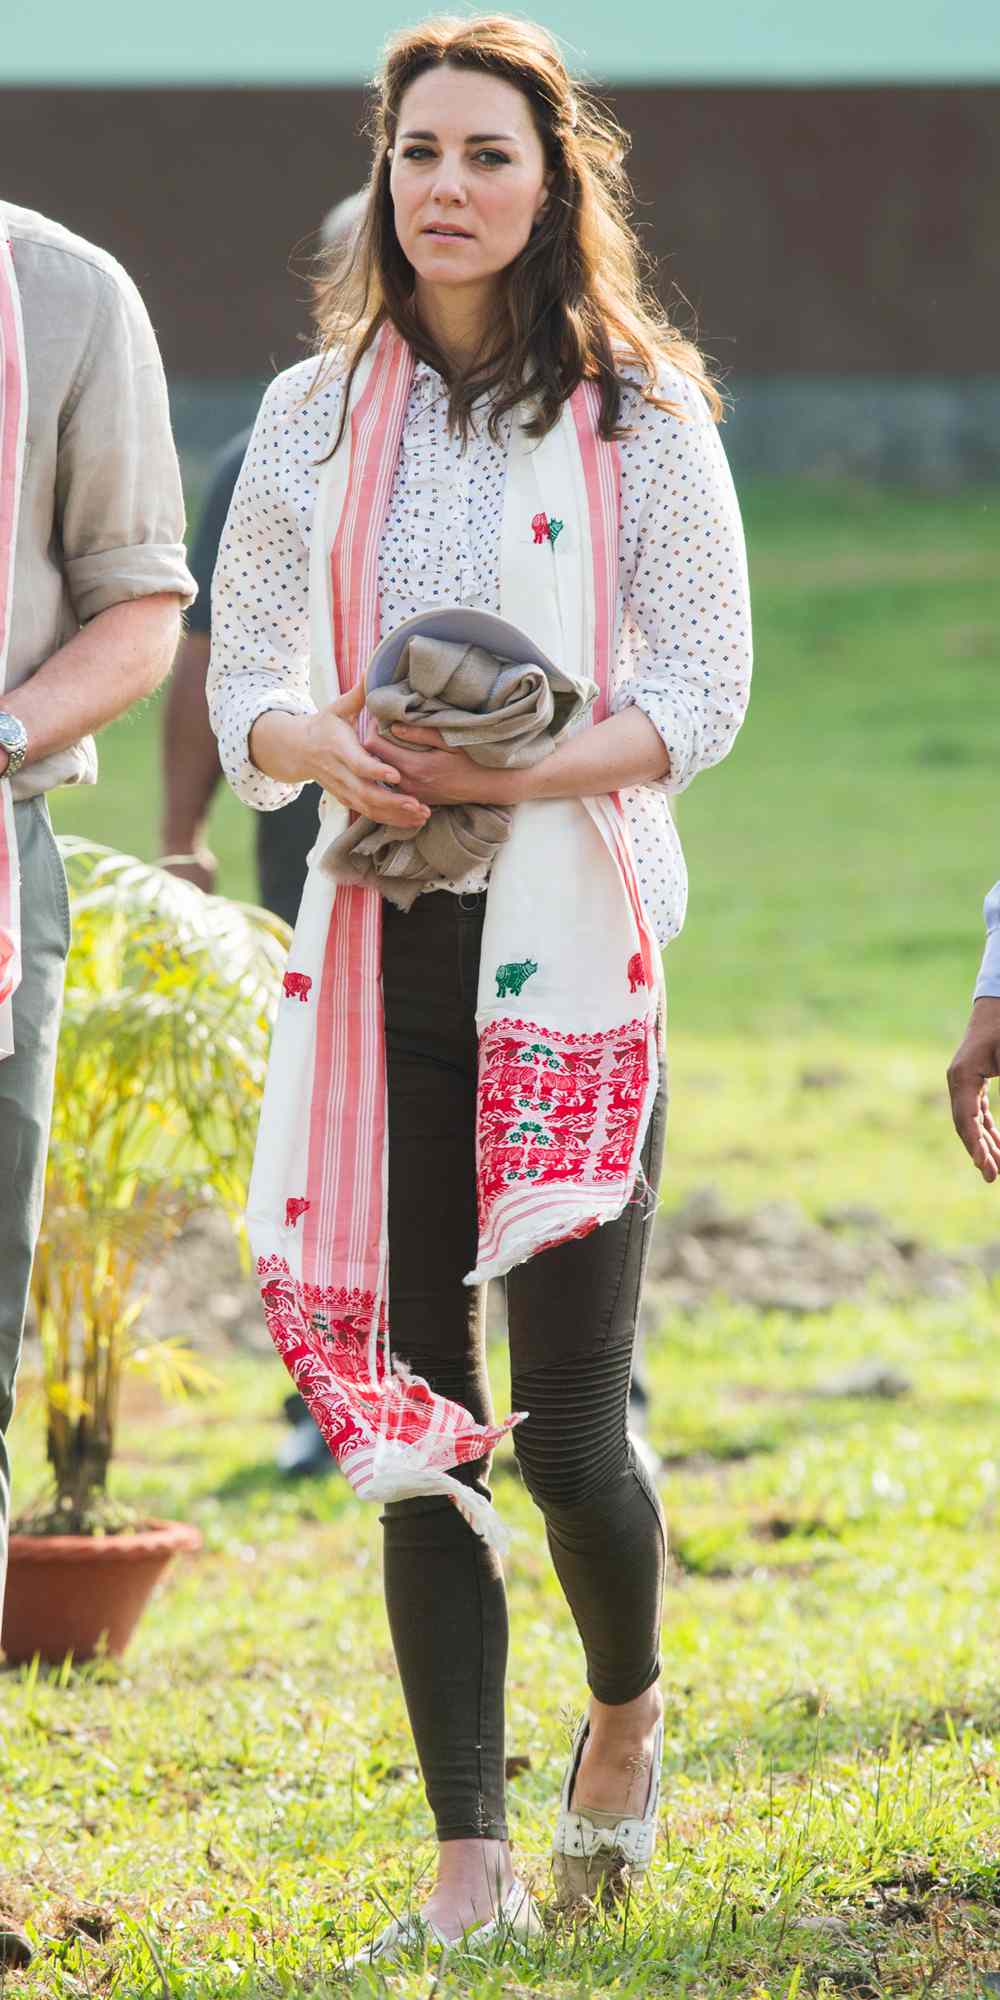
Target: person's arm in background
x=189, y=754
x=977, y=1058
x=120, y=521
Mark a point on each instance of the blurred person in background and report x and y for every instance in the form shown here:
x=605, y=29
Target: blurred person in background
x=977, y=1058
x=505, y=423
x=93, y=581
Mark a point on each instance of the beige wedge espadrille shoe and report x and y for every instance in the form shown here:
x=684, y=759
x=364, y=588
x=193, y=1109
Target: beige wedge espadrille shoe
x=596, y=1855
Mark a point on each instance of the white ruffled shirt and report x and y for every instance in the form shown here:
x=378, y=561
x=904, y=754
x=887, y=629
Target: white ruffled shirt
x=683, y=652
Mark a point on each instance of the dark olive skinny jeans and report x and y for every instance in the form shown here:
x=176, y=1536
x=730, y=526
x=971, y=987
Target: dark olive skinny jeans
x=572, y=1318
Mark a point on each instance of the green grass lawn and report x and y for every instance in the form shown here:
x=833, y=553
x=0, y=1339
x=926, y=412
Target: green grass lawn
x=237, y=1802
x=238, y=1797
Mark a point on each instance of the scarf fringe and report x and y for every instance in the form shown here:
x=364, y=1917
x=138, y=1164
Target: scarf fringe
x=397, y=1474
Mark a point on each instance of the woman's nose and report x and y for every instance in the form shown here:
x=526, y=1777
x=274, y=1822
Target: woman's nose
x=449, y=181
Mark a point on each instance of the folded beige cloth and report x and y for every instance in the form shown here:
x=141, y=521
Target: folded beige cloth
x=505, y=715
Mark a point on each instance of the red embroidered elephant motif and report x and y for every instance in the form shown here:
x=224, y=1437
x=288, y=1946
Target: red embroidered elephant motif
x=295, y=1206
x=297, y=985
x=540, y=528
x=636, y=972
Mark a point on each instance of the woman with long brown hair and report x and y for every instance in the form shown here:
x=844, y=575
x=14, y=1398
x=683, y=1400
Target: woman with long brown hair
x=501, y=426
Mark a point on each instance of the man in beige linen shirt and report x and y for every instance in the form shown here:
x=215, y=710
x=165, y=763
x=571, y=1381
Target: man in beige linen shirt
x=100, y=580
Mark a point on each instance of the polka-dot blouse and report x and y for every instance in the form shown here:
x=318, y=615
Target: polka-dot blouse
x=683, y=652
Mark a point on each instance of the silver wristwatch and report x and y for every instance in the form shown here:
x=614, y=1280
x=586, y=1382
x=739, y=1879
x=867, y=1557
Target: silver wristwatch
x=13, y=739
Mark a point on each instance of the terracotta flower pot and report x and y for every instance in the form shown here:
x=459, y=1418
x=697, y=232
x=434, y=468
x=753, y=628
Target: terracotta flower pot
x=65, y=1593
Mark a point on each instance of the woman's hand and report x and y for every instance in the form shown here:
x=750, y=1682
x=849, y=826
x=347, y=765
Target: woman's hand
x=442, y=777
x=326, y=748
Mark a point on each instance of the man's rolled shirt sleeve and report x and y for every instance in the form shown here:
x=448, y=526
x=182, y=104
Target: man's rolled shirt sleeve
x=988, y=983
x=118, y=491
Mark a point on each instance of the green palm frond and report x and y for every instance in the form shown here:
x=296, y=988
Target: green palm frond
x=169, y=1004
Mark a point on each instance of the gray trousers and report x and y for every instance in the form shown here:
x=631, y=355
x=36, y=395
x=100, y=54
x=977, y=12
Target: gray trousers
x=26, y=1098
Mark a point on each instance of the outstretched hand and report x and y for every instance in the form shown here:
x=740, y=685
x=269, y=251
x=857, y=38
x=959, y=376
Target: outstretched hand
x=976, y=1060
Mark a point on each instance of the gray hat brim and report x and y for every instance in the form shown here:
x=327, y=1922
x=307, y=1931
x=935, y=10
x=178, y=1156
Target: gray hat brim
x=464, y=627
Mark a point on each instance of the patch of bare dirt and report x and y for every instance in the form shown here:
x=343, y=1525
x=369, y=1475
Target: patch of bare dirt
x=774, y=1257
x=779, y=1259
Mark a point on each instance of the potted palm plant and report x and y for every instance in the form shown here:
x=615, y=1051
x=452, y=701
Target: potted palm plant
x=170, y=997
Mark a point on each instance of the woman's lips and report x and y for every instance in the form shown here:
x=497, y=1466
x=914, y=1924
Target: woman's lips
x=456, y=235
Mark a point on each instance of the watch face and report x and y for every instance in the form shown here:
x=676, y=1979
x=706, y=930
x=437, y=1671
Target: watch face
x=13, y=739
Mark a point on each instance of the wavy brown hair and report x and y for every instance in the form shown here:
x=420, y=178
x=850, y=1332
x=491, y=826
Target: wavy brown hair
x=573, y=305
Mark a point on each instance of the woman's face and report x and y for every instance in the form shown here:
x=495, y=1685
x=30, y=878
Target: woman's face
x=467, y=176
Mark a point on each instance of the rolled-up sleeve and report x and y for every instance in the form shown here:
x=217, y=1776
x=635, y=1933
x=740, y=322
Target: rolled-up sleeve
x=118, y=485
x=260, y=602
x=988, y=983
x=687, y=601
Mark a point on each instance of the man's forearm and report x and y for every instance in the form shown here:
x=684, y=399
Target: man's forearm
x=123, y=654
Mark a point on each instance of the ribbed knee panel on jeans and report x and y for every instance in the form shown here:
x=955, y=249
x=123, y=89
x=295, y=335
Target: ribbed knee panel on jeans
x=602, y=1516
x=574, y=1440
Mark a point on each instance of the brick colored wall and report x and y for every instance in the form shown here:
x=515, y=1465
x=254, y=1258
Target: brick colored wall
x=816, y=231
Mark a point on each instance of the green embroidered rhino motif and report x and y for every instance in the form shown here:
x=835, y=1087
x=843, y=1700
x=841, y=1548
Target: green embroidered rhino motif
x=511, y=978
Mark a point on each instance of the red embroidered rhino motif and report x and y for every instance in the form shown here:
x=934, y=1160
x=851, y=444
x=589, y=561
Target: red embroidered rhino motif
x=297, y=985
x=295, y=1206
x=636, y=972
x=540, y=528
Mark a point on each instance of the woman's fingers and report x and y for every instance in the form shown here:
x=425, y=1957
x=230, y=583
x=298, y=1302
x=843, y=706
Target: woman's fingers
x=362, y=765
x=413, y=732
x=345, y=758
x=376, y=803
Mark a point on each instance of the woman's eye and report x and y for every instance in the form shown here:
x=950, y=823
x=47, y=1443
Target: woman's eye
x=493, y=159
x=416, y=153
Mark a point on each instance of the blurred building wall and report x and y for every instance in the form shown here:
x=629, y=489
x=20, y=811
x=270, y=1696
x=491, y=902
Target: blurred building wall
x=837, y=242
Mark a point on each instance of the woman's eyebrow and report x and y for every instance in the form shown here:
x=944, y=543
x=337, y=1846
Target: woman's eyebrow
x=473, y=138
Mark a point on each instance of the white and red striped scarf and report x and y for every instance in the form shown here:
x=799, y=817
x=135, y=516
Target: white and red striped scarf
x=567, y=1073
x=13, y=430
